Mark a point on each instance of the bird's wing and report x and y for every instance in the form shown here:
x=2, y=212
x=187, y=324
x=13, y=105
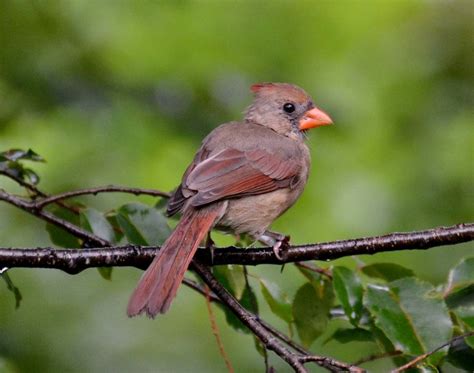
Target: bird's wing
x=233, y=173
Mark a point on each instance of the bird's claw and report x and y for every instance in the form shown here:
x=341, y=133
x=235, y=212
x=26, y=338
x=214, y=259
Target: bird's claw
x=281, y=245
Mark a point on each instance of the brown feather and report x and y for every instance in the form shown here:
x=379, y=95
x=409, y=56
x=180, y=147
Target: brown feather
x=160, y=282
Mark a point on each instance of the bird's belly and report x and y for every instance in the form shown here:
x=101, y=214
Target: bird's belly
x=253, y=214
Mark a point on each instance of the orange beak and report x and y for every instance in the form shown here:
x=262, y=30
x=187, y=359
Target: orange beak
x=314, y=118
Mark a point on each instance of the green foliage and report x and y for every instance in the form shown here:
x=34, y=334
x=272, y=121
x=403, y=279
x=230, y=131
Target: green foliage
x=142, y=225
x=348, y=289
x=311, y=307
x=59, y=236
x=386, y=271
x=277, y=300
x=233, y=278
x=11, y=163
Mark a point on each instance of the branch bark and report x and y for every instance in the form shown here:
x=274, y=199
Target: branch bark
x=76, y=260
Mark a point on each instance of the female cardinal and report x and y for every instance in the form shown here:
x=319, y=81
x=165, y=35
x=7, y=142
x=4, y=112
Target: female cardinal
x=243, y=177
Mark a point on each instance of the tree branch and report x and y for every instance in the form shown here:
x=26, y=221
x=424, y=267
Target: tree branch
x=268, y=338
x=50, y=218
x=39, y=204
x=76, y=260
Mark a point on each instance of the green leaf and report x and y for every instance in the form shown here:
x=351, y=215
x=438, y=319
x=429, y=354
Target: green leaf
x=232, y=277
x=311, y=276
x=277, y=301
x=59, y=236
x=387, y=271
x=259, y=347
x=349, y=291
x=105, y=272
x=19, y=154
x=95, y=222
x=461, y=355
x=311, y=310
x=412, y=316
x=11, y=286
x=249, y=302
x=142, y=224
x=112, y=219
x=460, y=287
x=31, y=175
x=466, y=315
x=347, y=335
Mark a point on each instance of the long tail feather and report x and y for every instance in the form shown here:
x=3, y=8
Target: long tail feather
x=159, y=284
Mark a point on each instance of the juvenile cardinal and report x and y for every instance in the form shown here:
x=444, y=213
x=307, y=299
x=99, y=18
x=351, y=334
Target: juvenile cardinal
x=244, y=175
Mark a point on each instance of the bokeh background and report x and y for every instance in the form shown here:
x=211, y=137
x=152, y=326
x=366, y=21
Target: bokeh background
x=123, y=92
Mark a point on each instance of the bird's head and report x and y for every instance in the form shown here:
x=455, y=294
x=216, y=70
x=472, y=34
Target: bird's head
x=285, y=108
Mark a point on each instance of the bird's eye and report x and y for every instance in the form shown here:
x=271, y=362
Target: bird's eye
x=289, y=107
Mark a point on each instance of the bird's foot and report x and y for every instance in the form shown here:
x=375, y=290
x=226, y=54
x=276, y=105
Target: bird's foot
x=281, y=245
x=279, y=242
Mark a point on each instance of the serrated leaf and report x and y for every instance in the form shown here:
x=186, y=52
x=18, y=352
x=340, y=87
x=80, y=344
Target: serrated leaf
x=59, y=236
x=460, y=287
x=311, y=310
x=348, y=289
x=346, y=335
x=406, y=311
x=232, y=277
x=277, y=301
x=142, y=224
x=387, y=271
x=11, y=286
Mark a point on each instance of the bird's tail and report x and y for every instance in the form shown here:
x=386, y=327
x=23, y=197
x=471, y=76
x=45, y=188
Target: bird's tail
x=159, y=284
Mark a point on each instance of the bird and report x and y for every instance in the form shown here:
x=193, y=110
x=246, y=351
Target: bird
x=245, y=175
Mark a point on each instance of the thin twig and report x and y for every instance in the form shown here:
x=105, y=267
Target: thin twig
x=24, y=184
x=416, y=360
x=313, y=268
x=248, y=319
x=40, y=203
x=322, y=360
x=50, y=218
x=331, y=364
x=215, y=331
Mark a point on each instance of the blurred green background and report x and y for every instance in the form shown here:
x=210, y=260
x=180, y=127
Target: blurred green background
x=123, y=92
